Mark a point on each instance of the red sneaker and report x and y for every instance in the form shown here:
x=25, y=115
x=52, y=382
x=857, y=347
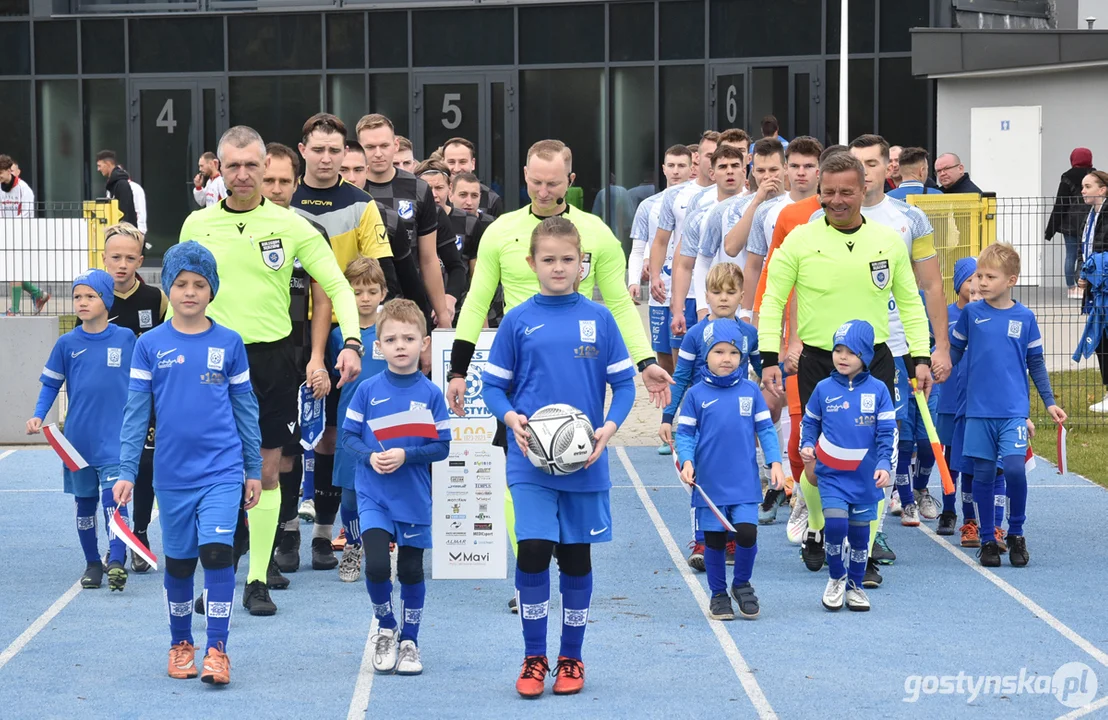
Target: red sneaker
x=532, y=678
x=696, y=557
x=569, y=676
x=41, y=302
x=182, y=661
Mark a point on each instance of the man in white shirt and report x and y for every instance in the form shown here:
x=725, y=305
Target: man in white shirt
x=208, y=186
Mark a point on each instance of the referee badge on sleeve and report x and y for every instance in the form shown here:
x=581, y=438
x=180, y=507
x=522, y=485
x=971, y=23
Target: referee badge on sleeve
x=273, y=253
x=879, y=273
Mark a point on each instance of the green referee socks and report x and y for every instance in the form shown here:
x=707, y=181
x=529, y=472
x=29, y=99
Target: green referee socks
x=811, y=499
x=263, y=528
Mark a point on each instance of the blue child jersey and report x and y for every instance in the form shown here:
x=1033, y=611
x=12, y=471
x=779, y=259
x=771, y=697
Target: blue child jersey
x=372, y=364
x=558, y=349
x=948, y=397
x=692, y=358
x=852, y=426
x=717, y=431
x=94, y=368
x=998, y=346
x=388, y=400
x=193, y=379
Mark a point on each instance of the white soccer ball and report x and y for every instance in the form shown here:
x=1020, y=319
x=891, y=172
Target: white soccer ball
x=561, y=439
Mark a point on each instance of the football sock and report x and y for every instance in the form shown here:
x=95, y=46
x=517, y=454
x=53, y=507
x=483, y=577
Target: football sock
x=117, y=548
x=969, y=512
x=903, y=472
x=715, y=565
x=178, y=601
x=833, y=536
x=1001, y=499
x=744, y=556
x=263, y=528
x=411, y=600
x=814, y=503
x=533, y=599
x=950, y=501
x=1015, y=473
x=576, y=595
x=380, y=593
x=86, y=528
x=219, y=596
x=858, y=535
x=349, y=512
x=984, y=496
x=921, y=468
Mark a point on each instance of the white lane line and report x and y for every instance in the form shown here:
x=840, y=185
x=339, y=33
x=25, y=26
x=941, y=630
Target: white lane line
x=742, y=670
x=621, y=487
x=44, y=619
x=34, y=490
x=6, y=453
x=1032, y=606
x=1055, y=487
x=1083, y=711
x=359, y=703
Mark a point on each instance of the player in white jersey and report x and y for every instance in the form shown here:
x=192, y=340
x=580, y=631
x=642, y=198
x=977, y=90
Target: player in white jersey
x=676, y=167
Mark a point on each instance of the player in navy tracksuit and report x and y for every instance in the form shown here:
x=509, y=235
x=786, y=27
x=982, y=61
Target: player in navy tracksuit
x=394, y=428
x=720, y=419
x=557, y=347
x=92, y=361
x=999, y=340
x=195, y=374
x=848, y=433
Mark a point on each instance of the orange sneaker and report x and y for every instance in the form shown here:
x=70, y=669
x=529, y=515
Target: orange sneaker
x=569, y=676
x=971, y=537
x=1000, y=544
x=217, y=667
x=532, y=678
x=182, y=661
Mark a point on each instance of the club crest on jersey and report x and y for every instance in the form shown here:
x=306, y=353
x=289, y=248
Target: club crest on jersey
x=459, y=240
x=586, y=265
x=869, y=402
x=746, y=406
x=879, y=273
x=115, y=356
x=273, y=253
x=146, y=318
x=1015, y=327
x=588, y=330
x=416, y=405
x=215, y=358
x=709, y=333
x=404, y=209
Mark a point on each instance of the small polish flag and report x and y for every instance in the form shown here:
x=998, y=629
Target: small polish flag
x=838, y=458
x=63, y=448
x=715, y=510
x=410, y=423
x=1029, y=459
x=119, y=526
x=1063, y=461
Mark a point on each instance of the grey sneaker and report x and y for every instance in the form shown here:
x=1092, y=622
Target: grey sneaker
x=929, y=508
x=350, y=567
x=856, y=600
x=834, y=593
x=909, y=515
x=747, y=600
x=409, y=662
x=719, y=607
x=384, y=650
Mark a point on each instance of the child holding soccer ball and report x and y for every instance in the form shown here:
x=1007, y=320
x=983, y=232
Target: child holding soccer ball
x=557, y=347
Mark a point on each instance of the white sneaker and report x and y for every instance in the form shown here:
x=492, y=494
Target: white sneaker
x=410, y=663
x=350, y=567
x=834, y=593
x=1074, y=293
x=909, y=516
x=384, y=651
x=856, y=599
x=798, y=519
x=307, y=511
x=928, y=506
x=1100, y=407
x=894, y=504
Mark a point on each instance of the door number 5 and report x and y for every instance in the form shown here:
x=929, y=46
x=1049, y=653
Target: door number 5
x=165, y=117
x=451, y=113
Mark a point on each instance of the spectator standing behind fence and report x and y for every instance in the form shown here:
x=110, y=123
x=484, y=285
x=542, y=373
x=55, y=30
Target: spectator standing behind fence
x=952, y=175
x=1068, y=216
x=1091, y=281
x=118, y=185
x=17, y=200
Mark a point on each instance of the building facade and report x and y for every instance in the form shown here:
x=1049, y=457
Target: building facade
x=618, y=81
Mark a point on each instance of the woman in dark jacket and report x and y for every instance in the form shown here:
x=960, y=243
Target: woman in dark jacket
x=1094, y=239
x=1068, y=215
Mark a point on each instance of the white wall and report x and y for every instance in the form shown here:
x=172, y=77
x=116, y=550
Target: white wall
x=1094, y=8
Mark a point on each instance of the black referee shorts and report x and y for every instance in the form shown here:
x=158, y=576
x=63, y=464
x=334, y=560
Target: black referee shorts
x=276, y=384
x=816, y=364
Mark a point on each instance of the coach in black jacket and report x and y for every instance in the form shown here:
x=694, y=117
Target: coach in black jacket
x=118, y=185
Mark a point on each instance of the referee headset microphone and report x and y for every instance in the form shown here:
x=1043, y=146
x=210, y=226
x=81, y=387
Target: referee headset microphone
x=562, y=199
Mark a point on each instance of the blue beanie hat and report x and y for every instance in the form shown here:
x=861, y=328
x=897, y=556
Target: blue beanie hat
x=963, y=270
x=193, y=257
x=723, y=331
x=99, y=281
x=857, y=336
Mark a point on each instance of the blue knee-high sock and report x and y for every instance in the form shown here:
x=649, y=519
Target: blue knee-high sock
x=969, y=512
x=411, y=600
x=1016, y=475
x=715, y=564
x=86, y=528
x=178, y=601
x=744, y=560
x=903, y=472
x=380, y=594
x=533, y=599
x=950, y=501
x=219, y=598
x=1001, y=499
x=921, y=468
x=115, y=544
x=834, y=533
x=984, y=496
x=858, y=534
x=576, y=596
x=348, y=511
x=307, y=489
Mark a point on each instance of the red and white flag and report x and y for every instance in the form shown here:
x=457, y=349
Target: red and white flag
x=1063, y=461
x=119, y=526
x=839, y=458
x=715, y=510
x=63, y=448
x=1029, y=463
x=410, y=423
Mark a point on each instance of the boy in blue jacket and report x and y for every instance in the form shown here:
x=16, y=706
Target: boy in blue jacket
x=848, y=435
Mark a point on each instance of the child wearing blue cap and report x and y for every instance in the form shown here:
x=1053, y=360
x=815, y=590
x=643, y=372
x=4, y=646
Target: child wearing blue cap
x=195, y=374
x=92, y=360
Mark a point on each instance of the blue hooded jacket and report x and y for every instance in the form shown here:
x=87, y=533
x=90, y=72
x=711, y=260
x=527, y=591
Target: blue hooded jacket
x=1095, y=272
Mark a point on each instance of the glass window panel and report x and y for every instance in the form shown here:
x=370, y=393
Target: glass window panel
x=59, y=120
x=105, y=125
x=56, y=47
x=177, y=44
x=345, y=40
x=754, y=28
x=102, y=47
x=168, y=162
x=769, y=95
x=568, y=105
x=209, y=110
x=389, y=96
x=561, y=34
x=681, y=26
x=861, y=26
x=15, y=38
x=682, y=102
x=903, y=112
x=898, y=17
x=860, y=95
x=15, y=124
x=275, y=106
x=497, y=179
x=15, y=7
x=388, y=39
x=463, y=37
x=274, y=42
x=346, y=97
x=802, y=102
x=633, y=165
x=631, y=31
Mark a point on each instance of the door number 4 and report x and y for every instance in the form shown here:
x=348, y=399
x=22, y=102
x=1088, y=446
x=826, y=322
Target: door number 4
x=165, y=117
